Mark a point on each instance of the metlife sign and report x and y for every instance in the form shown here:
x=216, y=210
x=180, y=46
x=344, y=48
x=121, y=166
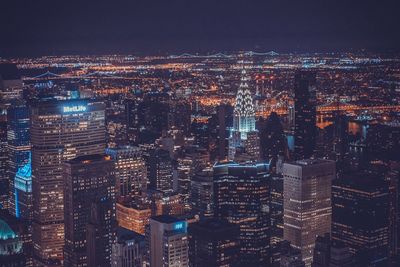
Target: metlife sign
x=73, y=109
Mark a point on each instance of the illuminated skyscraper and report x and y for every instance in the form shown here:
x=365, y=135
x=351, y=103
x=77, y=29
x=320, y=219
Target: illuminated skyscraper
x=244, y=135
x=60, y=131
x=360, y=217
x=241, y=196
x=305, y=114
x=307, y=203
x=19, y=154
x=89, y=180
x=168, y=242
x=130, y=170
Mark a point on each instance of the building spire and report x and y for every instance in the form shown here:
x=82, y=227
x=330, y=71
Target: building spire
x=244, y=111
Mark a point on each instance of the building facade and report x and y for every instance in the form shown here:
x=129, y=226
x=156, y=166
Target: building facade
x=307, y=203
x=89, y=180
x=241, y=196
x=60, y=131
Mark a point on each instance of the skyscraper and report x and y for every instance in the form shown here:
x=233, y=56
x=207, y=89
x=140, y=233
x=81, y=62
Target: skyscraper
x=305, y=114
x=160, y=171
x=18, y=149
x=128, y=250
x=60, y=131
x=360, y=217
x=307, y=203
x=213, y=243
x=201, y=193
x=241, y=196
x=168, y=242
x=130, y=170
x=89, y=180
x=244, y=136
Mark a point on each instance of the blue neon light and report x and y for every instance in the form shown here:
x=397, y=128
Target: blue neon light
x=179, y=226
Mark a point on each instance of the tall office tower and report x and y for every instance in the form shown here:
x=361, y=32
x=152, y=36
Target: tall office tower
x=19, y=151
x=60, y=131
x=130, y=170
x=168, y=242
x=201, y=193
x=244, y=136
x=241, y=196
x=153, y=116
x=213, y=243
x=276, y=210
x=305, y=114
x=129, y=249
x=11, y=84
x=360, y=217
x=273, y=140
x=225, y=119
x=307, y=203
x=180, y=116
x=4, y=179
x=341, y=142
x=89, y=180
x=160, y=171
x=132, y=120
x=192, y=160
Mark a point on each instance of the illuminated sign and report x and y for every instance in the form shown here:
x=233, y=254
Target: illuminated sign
x=178, y=226
x=78, y=108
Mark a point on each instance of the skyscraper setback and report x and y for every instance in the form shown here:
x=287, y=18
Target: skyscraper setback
x=60, y=131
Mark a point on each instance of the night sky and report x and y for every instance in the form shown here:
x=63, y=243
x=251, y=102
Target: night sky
x=37, y=27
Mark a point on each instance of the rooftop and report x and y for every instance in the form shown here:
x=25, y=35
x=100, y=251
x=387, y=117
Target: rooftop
x=165, y=219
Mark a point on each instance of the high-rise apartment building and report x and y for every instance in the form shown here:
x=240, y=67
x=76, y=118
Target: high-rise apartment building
x=160, y=171
x=60, y=131
x=89, y=180
x=307, y=203
x=241, y=196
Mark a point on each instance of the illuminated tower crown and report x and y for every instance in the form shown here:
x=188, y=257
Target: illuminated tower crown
x=244, y=113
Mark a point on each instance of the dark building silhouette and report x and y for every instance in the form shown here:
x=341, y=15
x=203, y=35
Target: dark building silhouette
x=89, y=208
x=360, y=217
x=331, y=254
x=225, y=120
x=160, y=171
x=153, y=116
x=273, y=140
x=213, y=243
x=241, y=196
x=132, y=120
x=305, y=114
